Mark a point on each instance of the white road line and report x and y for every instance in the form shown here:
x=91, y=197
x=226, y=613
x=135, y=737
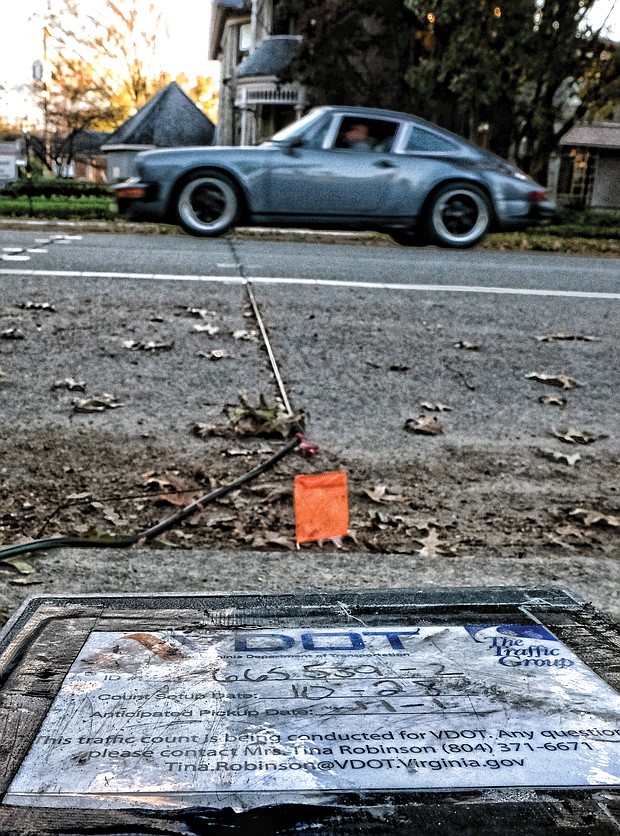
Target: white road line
x=434, y=288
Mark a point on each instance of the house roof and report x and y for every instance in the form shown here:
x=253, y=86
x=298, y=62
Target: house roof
x=169, y=120
x=594, y=135
x=270, y=57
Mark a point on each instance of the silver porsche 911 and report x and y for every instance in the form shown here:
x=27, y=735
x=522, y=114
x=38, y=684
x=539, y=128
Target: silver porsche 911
x=340, y=168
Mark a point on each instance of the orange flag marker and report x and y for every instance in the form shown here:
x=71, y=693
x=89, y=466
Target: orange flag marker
x=321, y=506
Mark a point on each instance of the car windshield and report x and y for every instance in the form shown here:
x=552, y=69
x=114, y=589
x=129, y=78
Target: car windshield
x=298, y=128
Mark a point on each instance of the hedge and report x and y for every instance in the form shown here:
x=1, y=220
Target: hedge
x=54, y=188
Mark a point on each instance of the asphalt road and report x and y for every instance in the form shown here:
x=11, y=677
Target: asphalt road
x=343, y=317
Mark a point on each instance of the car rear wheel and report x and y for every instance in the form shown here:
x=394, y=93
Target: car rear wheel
x=207, y=204
x=459, y=215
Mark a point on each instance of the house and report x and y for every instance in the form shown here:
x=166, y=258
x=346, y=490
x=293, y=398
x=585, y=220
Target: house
x=169, y=120
x=254, y=99
x=589, y=171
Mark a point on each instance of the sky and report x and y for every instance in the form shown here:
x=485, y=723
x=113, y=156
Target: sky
x=21, y=43
x=185, y=50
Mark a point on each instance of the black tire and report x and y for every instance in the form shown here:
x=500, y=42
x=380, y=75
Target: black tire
x=207, y=204
x=408, y=237
x=458, y=216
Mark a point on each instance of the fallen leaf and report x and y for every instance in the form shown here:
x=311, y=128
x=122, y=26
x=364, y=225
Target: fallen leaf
x=70, y=384
x=562, y=380
x=399, y=367
x=239, y=452
x=211, y=430
x=552, y=400
x=96, y=403
x=244, y=334
x=424, y=425
x=21, y=565
x=216, y=354
x=264, y=419
x=430, y=545
x=549, y=338
x=175, y=489
x=467, y=345
x=590, y=517
x=203, y=313
x=109, y=514
x=570, y=460
x=136, y=345
x=380, y=494
x=158, y=646
x=37, y=306
x=24, y=581
x=272, y=538
x=435, y=407
x=573, y=436
x=568, y=530
x=12, y=334
x=77, y=496
x=207, y=328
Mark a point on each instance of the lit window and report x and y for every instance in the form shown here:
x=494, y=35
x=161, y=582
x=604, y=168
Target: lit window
x=245, y=37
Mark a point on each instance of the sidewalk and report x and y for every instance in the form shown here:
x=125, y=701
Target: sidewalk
x=594, y=579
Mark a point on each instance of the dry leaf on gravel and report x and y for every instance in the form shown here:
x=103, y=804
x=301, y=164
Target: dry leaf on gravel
x=244, y=334
x=467, y=345
x=137, y=345
x=211, y=430
x=435, y=407
x=19, y=564
x=12, y=334
x=70, y=384
x=238, y=452
x=552, y=400
x=263, y=420
x=562, y=380
x=202, y=313
x=549, y=338
x=108, y=513
x=96, y=403
x=207, y=328
x=424, y=425
x=573, y=436
x=430, y=545
x=568, y=530
x=37, y=306
x=570, y=460
x=273, y=538
x=216, y=354
x=379, y=494
x=589, y=517
x=175, y=489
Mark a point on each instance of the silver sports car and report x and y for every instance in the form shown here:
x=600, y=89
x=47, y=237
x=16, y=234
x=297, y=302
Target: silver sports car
x=340, y=168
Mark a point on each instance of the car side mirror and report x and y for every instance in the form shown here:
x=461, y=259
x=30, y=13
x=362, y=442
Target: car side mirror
x=293, y=143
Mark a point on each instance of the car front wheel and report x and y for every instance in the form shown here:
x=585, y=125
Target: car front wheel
x=459, y=215
x=207, y=204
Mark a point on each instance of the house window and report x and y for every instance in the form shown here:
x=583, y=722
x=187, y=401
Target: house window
x=245, y=38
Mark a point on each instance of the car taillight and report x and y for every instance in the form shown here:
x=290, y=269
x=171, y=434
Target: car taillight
x=538, y=197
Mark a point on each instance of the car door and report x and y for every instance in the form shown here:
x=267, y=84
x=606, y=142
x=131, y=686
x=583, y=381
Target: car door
x=329, y=179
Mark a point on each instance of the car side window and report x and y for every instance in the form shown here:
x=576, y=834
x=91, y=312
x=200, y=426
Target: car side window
x=421, y=140
x=363, y=134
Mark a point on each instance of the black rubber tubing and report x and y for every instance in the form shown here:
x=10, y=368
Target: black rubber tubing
x=7, y=552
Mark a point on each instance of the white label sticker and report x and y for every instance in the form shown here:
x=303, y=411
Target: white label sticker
x=247, y=717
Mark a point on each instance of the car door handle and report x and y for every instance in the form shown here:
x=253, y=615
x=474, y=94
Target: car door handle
x=384, y=164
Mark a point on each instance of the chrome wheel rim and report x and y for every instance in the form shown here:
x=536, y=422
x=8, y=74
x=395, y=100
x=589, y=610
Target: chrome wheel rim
x=461, y=216
x=207, y=204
